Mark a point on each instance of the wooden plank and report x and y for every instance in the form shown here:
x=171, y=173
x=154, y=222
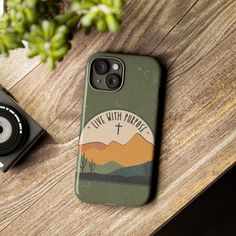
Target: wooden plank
x=65, y=87
x=15, y=67
x=195, y=36
x=199, y=128
x=187, y=166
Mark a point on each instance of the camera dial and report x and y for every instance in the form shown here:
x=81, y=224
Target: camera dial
x=12, y=129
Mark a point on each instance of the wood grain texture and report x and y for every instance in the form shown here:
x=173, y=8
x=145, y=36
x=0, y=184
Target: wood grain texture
x=196, y=43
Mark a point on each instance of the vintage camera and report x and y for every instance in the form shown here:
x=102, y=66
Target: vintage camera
x=18, y=131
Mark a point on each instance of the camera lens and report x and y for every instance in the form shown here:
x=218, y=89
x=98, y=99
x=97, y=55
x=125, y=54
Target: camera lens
x=101, y=66
x=5, y=130
x=113, y=81
x=12, y=129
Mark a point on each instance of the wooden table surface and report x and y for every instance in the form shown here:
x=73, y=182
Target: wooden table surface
x=196, y=41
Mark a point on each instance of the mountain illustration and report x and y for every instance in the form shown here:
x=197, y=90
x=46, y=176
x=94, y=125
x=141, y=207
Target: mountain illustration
x=96, y=145
x=135, y=152
x=104, y=169
x=139, y=170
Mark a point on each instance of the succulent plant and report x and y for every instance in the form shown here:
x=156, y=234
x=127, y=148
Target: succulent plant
x=8, y=41
x=49, y=40
x=105, y=14
x=49, y=25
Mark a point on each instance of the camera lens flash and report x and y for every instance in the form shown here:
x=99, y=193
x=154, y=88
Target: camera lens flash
x=115, y=66
x=99, y=81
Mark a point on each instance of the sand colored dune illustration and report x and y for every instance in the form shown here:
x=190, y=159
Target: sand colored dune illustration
x=96, y=145
x=135, y=152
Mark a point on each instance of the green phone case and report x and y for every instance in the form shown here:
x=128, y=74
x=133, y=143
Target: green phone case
x=118, y=129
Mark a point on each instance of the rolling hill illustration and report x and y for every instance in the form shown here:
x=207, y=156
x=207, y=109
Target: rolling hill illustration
x=129, y=163
x=135, y=152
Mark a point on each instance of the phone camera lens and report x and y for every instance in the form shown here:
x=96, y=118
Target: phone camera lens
x=113, y=81
x=101, y=66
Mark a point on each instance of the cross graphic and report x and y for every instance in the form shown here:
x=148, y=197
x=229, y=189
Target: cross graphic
x=118, y=128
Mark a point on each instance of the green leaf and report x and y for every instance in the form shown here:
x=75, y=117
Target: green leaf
x=101, y=25
x=113, y=24
x=119, y=4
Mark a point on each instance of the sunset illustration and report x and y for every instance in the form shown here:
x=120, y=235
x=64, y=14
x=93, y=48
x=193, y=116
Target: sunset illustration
x=136, y=151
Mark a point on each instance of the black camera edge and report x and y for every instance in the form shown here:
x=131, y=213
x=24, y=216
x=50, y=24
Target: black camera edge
x=25, y=131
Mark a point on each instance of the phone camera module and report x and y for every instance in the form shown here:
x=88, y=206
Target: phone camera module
x=113, y=81
x=101, y=66
x=106, y=74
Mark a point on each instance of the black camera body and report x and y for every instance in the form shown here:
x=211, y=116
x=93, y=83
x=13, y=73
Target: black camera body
x=18, y=131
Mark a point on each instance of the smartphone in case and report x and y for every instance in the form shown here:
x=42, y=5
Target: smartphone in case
x=118, y=129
